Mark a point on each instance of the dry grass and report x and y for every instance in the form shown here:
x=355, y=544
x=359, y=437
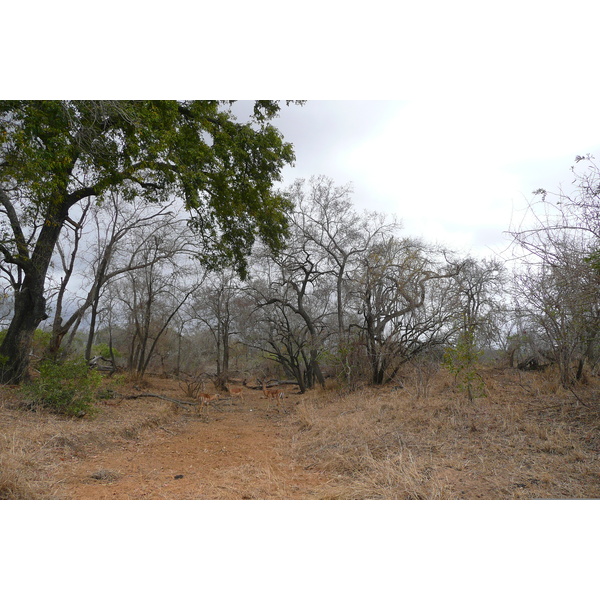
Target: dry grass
x=527, y=439
x=248, y=482
x=32, y=444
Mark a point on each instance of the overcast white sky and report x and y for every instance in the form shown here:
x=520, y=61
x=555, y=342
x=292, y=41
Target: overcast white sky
x=484, y=101
x=451, y=169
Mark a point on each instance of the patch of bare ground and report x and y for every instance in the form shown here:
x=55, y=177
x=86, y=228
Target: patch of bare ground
x=150, y=448
x=527, y=438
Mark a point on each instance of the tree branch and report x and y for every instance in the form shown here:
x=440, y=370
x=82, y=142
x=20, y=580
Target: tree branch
x=11, y=213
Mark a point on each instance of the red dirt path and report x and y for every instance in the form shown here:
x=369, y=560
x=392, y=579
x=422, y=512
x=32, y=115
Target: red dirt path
x=240, y=452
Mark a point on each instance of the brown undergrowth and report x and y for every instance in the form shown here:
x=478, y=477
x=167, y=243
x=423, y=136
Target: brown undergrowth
x=527, y=438
x=33, y=442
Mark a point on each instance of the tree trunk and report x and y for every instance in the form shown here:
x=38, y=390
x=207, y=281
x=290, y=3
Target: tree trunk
x=30, y=304
x=92, y=331
x=580, y=366
x=30, y=310
x=225, y=334
x=316, y=369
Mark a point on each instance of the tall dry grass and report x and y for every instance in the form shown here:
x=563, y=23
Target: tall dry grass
x=34, y=443
x=528, y=438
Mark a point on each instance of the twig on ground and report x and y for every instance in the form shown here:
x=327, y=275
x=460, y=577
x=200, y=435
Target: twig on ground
x=180, y=402
x=167, y=430
x=578, y=398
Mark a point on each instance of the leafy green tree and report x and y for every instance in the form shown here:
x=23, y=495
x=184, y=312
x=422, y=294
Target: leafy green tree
x=55, y=154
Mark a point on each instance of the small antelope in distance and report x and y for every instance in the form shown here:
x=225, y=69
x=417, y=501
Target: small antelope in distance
x=274, y=393
x=236, y=390
x=204, y=401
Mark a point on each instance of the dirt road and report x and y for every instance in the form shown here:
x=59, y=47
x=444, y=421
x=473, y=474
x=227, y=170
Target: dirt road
x=242, y=451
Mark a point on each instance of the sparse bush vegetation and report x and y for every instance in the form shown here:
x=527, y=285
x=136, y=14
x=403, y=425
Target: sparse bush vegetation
x=461, y=360
x=66, y=388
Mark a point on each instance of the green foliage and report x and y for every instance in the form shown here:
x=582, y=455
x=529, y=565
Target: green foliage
x=65, y=388
x=224, y=170
x=461, y=360
x=103, y=350
x=40, y=342
x=593, y=260
x=41, y=338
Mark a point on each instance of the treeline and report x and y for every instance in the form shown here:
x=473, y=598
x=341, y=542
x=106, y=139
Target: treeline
x=152, y=234
x=350, y=296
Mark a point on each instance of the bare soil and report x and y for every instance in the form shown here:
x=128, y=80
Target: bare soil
x=239, y=450
x=234, y=456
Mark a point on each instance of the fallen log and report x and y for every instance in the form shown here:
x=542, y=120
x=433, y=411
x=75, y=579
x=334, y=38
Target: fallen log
x=174, y=400
x=179, y=402
x=532, y=364
x=272, y=383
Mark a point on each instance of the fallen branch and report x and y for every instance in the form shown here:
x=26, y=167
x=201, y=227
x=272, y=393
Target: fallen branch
x=179, y=402
x=272, y=383
x=578, y=398
x=165, y=429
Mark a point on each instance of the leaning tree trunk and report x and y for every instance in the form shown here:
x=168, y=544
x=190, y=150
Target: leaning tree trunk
x=30, y=305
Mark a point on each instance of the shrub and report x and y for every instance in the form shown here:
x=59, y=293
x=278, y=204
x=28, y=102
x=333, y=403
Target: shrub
x=461, y=361
x=103, y=350
x=65, y=387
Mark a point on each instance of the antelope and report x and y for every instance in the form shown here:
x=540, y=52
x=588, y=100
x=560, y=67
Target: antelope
x=236, y=390
x=275, y=393
x=204, y=401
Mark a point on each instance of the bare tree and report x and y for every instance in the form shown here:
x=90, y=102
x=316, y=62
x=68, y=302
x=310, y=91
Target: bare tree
x=480, y=299
x=293, y=300
x=297, y=281
x=330, y=225
x=402, y=316
x=153, y=294
x=103, y=256
x=326, y=218
x=557, y=287
x=215, y=307
x=282, y=335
